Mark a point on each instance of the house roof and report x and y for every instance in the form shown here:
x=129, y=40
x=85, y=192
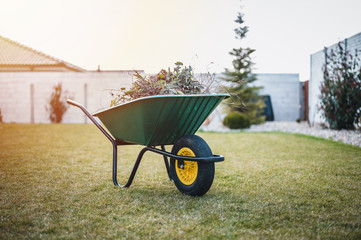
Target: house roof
x=14, y=54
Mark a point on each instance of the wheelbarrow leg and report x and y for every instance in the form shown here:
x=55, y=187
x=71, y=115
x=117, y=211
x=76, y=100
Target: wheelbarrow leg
x=136, y=165
x=115, y=144
x=167, y=164
x=115, y=167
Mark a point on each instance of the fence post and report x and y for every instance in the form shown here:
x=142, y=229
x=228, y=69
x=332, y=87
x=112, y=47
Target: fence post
x=32, y=103
x=85, y=100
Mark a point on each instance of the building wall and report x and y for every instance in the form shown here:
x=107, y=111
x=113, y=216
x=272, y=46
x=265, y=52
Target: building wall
x=89, y=88
x=92, y=90
x=317, y=60
x=284, y=90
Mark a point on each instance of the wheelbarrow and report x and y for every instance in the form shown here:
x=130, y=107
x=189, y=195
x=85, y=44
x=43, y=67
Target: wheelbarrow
x=161, y=120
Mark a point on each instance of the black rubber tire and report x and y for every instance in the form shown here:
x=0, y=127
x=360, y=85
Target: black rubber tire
x=205, y=174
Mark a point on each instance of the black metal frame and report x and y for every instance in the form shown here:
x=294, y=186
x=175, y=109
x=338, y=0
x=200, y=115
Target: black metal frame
x=162, y=151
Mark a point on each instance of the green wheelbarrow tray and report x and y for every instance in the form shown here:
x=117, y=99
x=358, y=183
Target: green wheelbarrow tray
x=157, y=121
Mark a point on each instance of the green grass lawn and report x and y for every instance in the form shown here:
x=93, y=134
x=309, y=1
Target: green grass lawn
x=56, y=182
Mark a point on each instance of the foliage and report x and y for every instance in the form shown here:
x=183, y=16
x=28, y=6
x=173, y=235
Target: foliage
x=57, y=104
x=341, y=89
x=209, y=83
x=179, y=81
x=236, y=120
x=1, y=117
x=244, y=96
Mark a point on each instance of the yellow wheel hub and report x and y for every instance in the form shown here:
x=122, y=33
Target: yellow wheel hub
x=188, y=173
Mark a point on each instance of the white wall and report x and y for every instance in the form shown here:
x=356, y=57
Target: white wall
x=15, y=96
x=284, y=90
x=317, y=61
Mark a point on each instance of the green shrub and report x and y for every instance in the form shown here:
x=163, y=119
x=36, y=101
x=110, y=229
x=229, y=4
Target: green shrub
x=340, y=90
x=236, y=120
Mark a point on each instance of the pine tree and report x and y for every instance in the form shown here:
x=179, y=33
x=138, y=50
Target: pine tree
x=244, y=96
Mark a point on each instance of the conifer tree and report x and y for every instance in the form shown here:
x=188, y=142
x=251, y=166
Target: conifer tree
x=244, y=95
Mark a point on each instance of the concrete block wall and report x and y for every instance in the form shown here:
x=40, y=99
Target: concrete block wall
x=317, y=60
x=284, y=90
x=15, y=100
x=89, y=88
x=92, y=90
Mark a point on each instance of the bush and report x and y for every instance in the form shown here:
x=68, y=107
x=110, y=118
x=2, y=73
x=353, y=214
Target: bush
x=1, y=117
x=57, y=104
x=236, y=120
x=340, y=90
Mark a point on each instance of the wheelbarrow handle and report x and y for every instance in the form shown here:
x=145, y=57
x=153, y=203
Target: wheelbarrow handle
x=72, y=102
x=113, y=141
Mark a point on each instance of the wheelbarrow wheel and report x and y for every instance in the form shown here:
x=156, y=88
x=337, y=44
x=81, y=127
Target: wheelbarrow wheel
x=190, y=177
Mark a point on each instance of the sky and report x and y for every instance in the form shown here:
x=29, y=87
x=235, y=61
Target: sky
x=151, y=35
